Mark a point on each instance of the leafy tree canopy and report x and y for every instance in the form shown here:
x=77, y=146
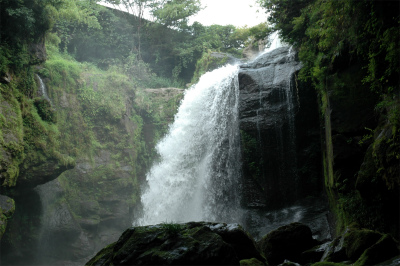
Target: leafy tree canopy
x=175, y=13
x=327, y=32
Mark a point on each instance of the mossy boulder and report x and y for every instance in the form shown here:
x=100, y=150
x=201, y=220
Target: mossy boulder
x=362, y=246
x=382, y=250
x=194, y=243
x=287, y=243
x=7, y=208
x=314, y=254
x=251, y=262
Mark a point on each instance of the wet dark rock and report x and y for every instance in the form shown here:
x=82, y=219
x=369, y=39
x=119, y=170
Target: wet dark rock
x=36, y=175
x=287, y=243
x=279, y=126
x=382, y=250
x=85, y=223
x=362, y=246
x=7, y=208
x=314, y=254
x=266, y=105
x=194, y=243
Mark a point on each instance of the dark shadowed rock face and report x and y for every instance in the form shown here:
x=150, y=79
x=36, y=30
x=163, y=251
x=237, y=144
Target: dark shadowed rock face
x=361, y=246
x=7, y=208
x=287, y=243
x=195, y=243
x=42, y=173
x=273, y=144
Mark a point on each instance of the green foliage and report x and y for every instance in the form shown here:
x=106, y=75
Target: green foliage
x=350, y=51
x=172, y=228
x=175, y=13
x=11, y=134
x=207, y=63
x=45, y=110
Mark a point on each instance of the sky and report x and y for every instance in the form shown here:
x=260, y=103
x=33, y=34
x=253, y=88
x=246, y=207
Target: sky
x=223, y=12
x=236, y=12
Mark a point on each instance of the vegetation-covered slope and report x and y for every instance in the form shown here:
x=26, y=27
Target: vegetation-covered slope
x=350, y=51
x=99, y=119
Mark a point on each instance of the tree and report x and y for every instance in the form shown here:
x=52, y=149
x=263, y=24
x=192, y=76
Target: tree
x=171, y=13
x=174, y=13
x=281, y=14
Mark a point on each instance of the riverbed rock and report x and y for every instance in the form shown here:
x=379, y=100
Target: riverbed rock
x=193, y=243
x=384, y=249
x=361, y=246
x=287, y=243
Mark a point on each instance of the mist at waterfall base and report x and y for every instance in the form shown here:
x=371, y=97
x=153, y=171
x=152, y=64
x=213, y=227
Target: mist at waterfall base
x=198, y=176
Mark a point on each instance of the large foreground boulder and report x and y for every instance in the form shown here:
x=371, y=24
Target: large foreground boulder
x=194, y=243
x=287, y=243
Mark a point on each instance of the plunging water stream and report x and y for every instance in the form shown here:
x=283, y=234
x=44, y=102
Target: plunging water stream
x=197, y=177
x=43, y=89
x=201, y=176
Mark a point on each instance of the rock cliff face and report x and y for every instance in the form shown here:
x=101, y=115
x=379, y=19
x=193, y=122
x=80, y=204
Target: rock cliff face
x=65, y=214
x=360, y=152
x=280, y=145
x=280, y=131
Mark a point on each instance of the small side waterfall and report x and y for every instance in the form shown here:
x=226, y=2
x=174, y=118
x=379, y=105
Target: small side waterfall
x=198, y=175
x=43, y=89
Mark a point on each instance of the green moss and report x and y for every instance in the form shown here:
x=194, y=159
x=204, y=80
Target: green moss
x=326, y=263
x=172, y=228
x=206, y=63
x=251, y=262
x=45, y=110
x=384, y=249
x=11, y=133
x=104, y=256
x=356, y=241
x=6, y=214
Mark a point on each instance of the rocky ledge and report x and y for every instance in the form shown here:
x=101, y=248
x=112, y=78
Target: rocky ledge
x=202, y=243
x=194, y=243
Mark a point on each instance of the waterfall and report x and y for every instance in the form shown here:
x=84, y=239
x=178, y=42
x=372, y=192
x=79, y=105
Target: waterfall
x=198, y=173
x=43, y=89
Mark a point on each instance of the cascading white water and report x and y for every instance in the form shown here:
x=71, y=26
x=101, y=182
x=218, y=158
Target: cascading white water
x=42, y=87
x=198, y=174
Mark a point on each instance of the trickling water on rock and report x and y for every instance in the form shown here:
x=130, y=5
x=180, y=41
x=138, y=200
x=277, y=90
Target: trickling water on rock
x=268, y=103
x=279, y=146
x=198, y=176
x=43, y=89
